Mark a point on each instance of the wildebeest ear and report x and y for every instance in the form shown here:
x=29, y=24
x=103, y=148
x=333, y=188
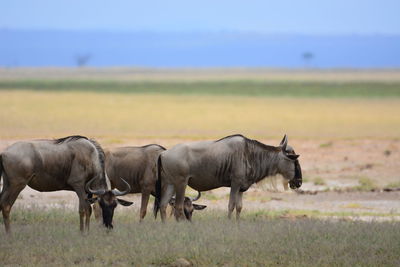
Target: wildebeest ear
x=283, y=143
x=124, y=202
x=199, y=207
x=92, y=200
x=292, y=156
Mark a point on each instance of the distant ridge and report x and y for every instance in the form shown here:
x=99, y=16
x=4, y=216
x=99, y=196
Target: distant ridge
x=226, y=49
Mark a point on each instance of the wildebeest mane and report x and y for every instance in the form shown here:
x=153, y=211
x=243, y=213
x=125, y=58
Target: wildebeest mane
x=251, y=141
x=260, y=158
x=154, y=145
x=69, y=138
x=256, y=156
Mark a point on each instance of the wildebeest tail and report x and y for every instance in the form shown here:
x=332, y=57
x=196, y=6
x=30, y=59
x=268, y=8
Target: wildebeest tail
x=158, y=188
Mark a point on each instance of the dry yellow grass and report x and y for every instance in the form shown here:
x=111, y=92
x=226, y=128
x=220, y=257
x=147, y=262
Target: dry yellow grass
x=26, y=114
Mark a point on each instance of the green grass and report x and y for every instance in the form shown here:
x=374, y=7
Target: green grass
x=326, y=145
x=365, y=184
x=51, y=237
x=393, y=185
x=319, y=181
x=245, y=88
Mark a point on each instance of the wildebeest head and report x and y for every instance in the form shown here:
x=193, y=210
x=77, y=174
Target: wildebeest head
x=289, y=165
x=188, y=206
x=108, y=201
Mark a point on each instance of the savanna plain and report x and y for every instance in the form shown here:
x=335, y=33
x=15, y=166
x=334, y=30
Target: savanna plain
x=345, y=124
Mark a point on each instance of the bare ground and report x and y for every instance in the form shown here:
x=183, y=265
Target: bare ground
x=338, y=164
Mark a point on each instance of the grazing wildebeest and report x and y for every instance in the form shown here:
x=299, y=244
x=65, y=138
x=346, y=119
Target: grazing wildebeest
x=188, y=206
x=233, y=161
x=138, y=166
x=71, y=163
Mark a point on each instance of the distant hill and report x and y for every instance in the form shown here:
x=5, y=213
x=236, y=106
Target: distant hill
x=223, y=49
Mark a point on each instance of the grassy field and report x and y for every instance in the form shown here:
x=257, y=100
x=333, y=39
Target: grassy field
x=52, y=238
x=188, y=104
x=115, y=117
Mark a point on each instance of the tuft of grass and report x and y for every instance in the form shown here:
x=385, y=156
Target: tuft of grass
x=387, y=152
x=393, y=185
x=325, y=145
x=319, y=181
x=211, y=240
x=365, y=184
x=353, y=206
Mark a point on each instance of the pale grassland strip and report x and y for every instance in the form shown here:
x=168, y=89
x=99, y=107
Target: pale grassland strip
x=202, y=74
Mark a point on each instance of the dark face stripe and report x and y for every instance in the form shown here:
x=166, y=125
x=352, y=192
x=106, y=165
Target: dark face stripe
x=297, y=180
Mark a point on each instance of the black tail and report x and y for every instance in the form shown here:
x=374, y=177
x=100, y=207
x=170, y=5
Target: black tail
x=158, y=188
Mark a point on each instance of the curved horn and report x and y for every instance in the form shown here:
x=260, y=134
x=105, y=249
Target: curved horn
x=196, y=198
x=283, y=143
x=96, y=192
x=117, y=193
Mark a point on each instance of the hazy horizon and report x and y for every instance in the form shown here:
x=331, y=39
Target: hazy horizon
x=196, y=49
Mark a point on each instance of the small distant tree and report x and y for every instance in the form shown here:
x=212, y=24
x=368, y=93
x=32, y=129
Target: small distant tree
x=307, y=58
x=82, y=59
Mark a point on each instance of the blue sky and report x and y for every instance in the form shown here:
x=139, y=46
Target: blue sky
x=284, y=16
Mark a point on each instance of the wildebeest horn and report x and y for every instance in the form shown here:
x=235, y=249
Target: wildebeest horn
x=283, y=143
x=96, y=192
x=117, y=193
x=196, y=198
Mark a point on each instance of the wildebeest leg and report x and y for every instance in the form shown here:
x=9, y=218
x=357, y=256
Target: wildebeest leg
x=88, y=214
x=179, y=199
x=232, y=200
x=143, y=205
x=85, y=210
x=167, y=193
x=97, y=211
x=239, y=205
x=172, y=210
x=9, y=194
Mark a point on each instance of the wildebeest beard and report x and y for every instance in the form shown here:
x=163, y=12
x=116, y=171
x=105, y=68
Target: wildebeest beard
x=297, y=181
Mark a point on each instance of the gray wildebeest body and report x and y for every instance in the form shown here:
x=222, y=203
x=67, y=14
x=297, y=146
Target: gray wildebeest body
x=234, y=161
x=70, y=163
x=138, y=166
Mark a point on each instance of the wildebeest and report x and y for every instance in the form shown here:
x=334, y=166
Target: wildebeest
x=233, y=161
x=72, y=163
x=188, y=206
x=138, y=166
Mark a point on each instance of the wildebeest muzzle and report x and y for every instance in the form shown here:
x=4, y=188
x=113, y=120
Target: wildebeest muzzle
x=297, y=181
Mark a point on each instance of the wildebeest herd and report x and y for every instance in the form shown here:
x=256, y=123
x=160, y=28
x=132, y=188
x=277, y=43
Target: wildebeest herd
x=99, y=177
